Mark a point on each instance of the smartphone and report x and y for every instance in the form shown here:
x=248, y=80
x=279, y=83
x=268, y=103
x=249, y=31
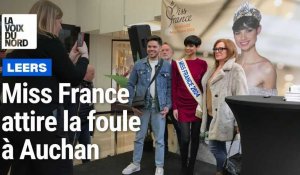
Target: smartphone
x=80, y=39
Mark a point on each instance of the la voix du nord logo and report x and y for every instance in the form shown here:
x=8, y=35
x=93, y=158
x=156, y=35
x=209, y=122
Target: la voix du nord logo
x=19, y=31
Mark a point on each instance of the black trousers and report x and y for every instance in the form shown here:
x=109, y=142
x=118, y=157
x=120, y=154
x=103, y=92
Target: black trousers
x=29, y=166
x=4, y=164
x=190, y=134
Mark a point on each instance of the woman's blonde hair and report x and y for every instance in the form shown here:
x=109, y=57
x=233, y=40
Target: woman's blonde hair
x=230, y=47
x=47, y=14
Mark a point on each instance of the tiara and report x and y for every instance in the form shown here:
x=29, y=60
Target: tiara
x=247, y=10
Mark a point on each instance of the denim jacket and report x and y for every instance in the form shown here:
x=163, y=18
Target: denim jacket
x=140, y=78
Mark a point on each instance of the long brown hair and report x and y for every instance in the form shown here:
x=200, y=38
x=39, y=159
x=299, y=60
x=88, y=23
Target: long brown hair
x=231, y=49
x=47, y=14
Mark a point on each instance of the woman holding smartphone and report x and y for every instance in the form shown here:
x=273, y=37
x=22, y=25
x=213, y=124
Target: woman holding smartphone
x=49, y=18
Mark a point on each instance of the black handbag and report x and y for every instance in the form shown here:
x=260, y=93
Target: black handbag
x=233, y=164
x=139, y=101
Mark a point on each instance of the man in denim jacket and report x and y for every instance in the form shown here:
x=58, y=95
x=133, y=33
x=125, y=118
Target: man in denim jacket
x=157, y=102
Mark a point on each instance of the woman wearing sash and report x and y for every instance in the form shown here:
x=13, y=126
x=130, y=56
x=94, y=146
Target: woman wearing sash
x=184, y=103
x=227, y=78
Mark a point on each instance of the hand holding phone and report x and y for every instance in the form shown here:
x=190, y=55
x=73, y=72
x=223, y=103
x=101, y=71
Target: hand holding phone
x=80, y=39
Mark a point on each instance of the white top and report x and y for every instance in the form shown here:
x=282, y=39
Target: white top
x=152, y=86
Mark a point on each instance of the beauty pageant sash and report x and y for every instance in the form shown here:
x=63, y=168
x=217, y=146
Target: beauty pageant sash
x=190, y=84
